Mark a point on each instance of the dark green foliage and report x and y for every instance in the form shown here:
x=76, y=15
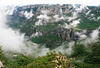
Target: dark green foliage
x=86, y=65
x=18, y=61
x=79, y=50
x=86, y=23
x=23, y=60
x=94, y=10
x=51, y=41
x=41, y=64
x=90, y=59
x=49, y=26
x=1, y=54
x=28, y=28
x=45, y=62
x=89, y=24
x=94, y=56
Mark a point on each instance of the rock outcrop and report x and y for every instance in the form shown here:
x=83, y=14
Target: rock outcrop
x=1, y=65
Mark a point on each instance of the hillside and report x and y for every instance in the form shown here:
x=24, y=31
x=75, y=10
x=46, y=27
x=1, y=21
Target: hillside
x=80, y=58
x=54, y=24
x=51, y=36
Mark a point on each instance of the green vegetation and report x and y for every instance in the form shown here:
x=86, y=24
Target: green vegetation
x=79, y=50
x=51, y=60
x=42, y=62
x=86, y=65
x=53, y=36
x=45, y=28
x=89, y=24
x=94, y=56
x=16, y=22
x=1, y=53
x=50, y=40
x=82, y=57
x=18, y=61
x=94, y=10
x=28, y=28
x=87, y=57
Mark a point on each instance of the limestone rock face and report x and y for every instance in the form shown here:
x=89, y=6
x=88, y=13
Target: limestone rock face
x=1, y=65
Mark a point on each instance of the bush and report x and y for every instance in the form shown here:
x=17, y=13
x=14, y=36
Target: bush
x=94, y=56
x=19, y=61
x=79, y=50
x=1, y=53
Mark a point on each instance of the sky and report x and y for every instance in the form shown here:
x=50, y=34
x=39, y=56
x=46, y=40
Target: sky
x=27, y=2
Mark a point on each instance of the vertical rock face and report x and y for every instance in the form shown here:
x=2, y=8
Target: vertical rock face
x=1, y=65
x=72, y=34
x=99, y=32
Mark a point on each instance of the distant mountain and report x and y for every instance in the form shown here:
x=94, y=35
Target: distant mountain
x=69, y=34
x=54, y=24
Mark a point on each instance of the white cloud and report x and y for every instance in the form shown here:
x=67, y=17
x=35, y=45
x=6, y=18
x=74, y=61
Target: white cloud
x=94, y=36
x=14, y=41
x=75, y=23
x=28, y=15
x=25, y=2
x=64, y=50
x=43, y=18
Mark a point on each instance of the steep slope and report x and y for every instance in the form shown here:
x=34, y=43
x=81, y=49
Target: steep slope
x=51, y=25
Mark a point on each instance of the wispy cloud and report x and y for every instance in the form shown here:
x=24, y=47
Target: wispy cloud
x=26, y=2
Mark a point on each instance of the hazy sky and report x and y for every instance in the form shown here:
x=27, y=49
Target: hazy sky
x=26, y=2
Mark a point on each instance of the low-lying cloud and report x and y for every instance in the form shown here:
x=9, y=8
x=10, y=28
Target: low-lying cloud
x=13, y=41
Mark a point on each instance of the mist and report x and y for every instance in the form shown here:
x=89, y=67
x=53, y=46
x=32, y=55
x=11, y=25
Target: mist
x=66, y=48
x=93, y=38
x=14, y=41
x=9, y=39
